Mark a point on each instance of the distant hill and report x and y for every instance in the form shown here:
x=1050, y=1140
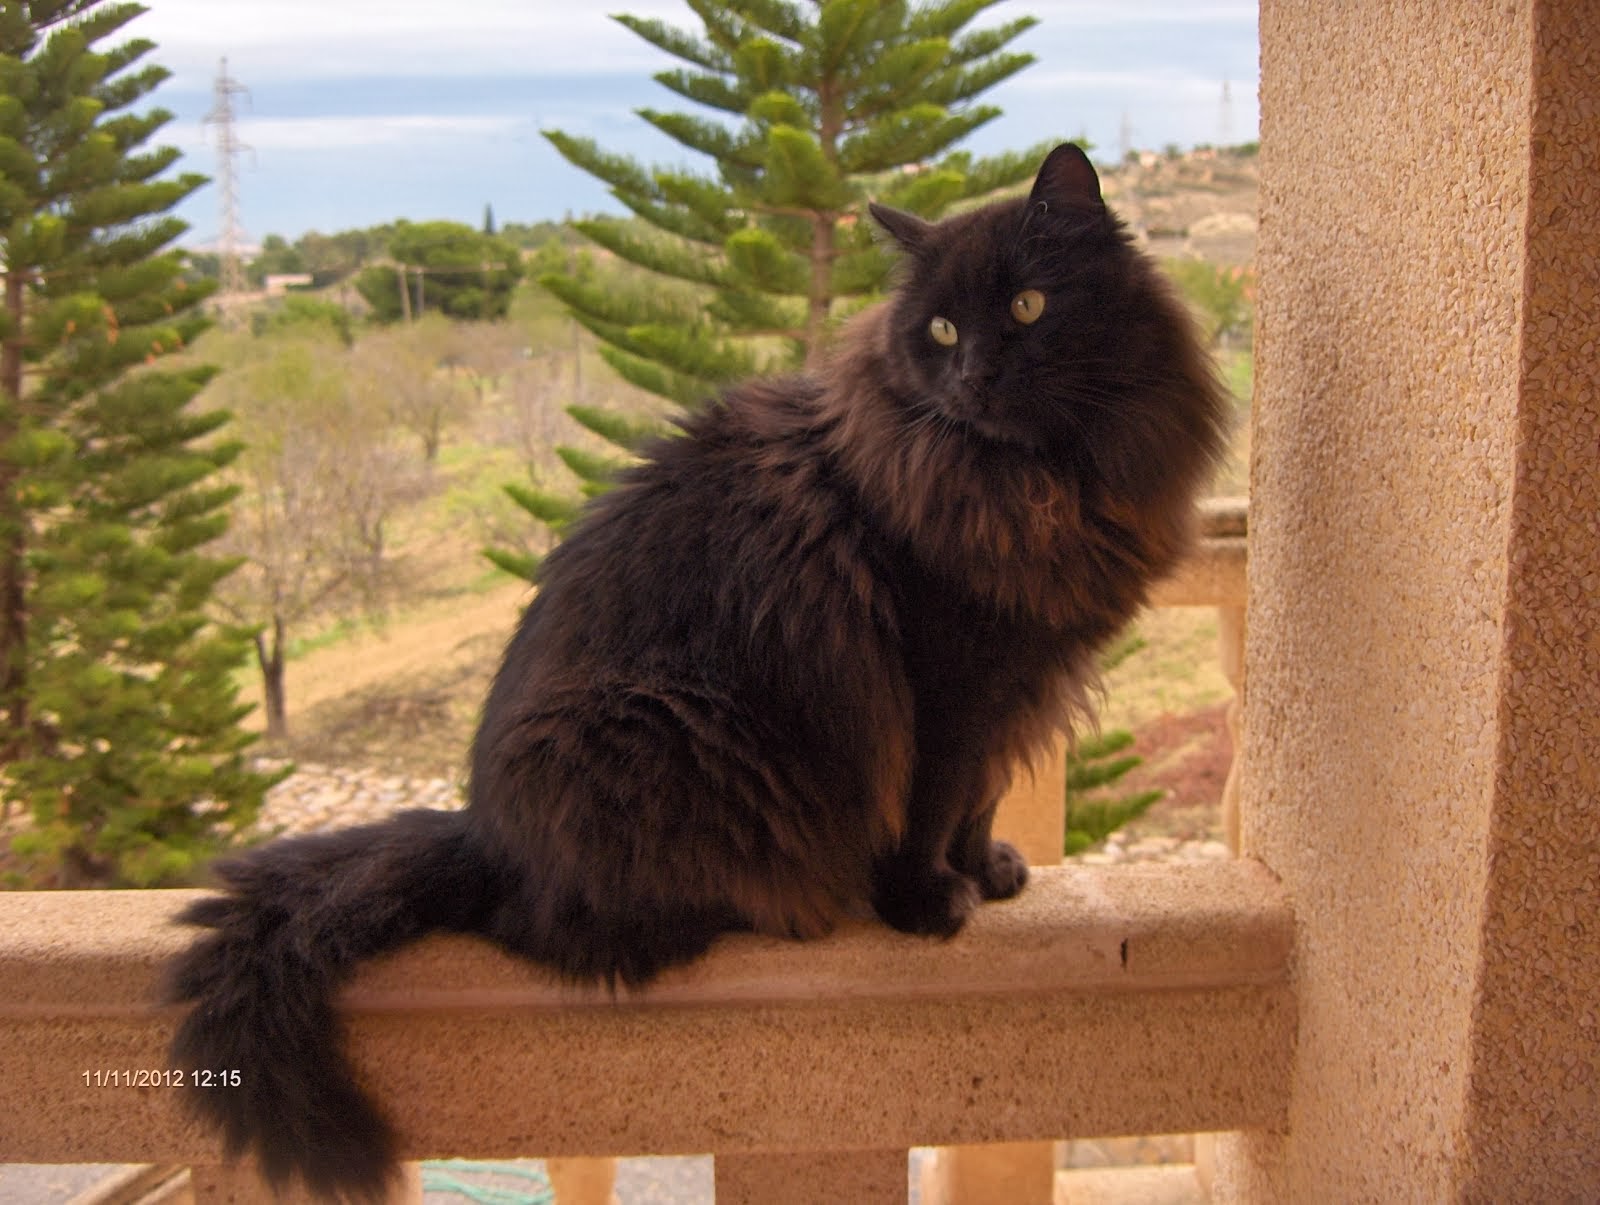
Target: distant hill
x=1201, y=204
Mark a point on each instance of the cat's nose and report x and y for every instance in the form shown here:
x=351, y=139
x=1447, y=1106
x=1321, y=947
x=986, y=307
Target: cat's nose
x=972, y=370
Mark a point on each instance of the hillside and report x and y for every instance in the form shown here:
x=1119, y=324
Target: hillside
x=1200, y=205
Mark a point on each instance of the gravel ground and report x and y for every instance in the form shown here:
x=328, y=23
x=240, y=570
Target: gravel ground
x=321, y=797
x=684, y=1181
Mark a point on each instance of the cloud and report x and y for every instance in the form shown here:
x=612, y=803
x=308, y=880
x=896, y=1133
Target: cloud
x=1164, y=82
x=269, y=40
x=309, y=39
x=370, y=133
x=1144, y=12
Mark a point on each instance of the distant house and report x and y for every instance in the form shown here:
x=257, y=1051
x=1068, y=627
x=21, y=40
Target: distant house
x=279, y=283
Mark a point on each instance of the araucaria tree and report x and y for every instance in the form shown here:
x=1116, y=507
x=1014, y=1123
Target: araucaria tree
x=815, y=107
x=809, y=109
x=119, y=717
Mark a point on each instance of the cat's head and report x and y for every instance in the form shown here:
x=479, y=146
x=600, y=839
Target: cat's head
x=1034, y=323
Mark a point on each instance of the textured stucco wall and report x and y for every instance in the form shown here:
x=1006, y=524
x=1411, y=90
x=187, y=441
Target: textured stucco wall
x=1533, y=1118
x=1420, y=754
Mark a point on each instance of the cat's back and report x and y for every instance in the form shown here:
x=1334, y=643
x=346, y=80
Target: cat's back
x=736, y=477
x=733, y=535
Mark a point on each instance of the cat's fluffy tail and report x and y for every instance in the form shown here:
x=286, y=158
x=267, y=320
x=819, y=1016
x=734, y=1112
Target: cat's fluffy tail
x=297, y=916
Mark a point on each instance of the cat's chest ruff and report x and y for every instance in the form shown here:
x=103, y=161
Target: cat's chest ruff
x=1004, y=527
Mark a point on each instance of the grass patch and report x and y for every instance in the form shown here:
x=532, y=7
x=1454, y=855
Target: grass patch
x=1238, y=374
x=334, y=634
x=489, y=580
x=1177, y=671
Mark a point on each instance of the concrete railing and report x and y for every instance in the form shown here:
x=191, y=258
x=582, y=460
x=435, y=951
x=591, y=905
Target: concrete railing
x=1032, y=816
x=1106, y=1000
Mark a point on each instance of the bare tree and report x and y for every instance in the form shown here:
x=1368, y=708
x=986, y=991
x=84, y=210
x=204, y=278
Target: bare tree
x=484, y=353
x=321, y=480
x=422, y=376
x=534, y=399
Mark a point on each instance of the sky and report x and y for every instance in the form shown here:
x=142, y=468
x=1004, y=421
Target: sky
x=358, y=112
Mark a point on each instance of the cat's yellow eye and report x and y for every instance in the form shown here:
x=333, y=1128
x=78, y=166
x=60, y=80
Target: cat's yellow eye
x=943, y=332
x=1027, y=305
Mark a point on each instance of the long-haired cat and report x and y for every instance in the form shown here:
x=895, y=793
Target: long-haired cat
x=778, y=677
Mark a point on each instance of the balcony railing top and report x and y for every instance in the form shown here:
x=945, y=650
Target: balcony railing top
x=1104, y=1000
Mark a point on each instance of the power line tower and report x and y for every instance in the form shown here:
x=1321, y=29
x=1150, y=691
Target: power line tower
x=231, y=234
x=1225, y=116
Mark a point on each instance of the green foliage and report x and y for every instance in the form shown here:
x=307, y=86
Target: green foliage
x=1095, y=765
x=623, y=430
x=1093, y=813
x=333, y=257
x=320, y=477
x=318, y=473
x=807, y=112
x=1223, y=298
x=302, y=310
x=411, y=371
x=329, y=258
x=533, y=236
x=203, y=267
x=517, y=564
x=556, y=511
x=119, y=718
x=444, y=266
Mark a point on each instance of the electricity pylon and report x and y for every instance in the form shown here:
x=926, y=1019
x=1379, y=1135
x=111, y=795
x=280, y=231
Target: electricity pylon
x=231, y=234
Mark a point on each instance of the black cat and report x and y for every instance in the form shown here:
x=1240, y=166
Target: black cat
x=777, y=677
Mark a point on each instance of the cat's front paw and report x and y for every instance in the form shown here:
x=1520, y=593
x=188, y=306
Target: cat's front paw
x=1004, y=871
x=933, y=901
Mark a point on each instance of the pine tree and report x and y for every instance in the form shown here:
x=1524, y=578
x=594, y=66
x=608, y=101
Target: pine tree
x=119, y=718
x=1095, y=765
x=814, y=108
x=1094, y=810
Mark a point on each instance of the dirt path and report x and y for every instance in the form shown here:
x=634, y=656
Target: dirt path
x=402, y=697
x=425, y=640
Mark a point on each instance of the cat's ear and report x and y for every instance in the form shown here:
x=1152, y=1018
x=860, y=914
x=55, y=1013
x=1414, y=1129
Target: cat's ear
x=1067, y=179
x=907, y=229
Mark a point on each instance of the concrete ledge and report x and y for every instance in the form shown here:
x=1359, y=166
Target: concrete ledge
x=1224, y=517
x=1169, y=1184
x=1105, y=1000
x=1213, y=575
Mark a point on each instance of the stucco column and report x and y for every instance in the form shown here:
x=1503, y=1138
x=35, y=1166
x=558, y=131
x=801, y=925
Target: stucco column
x=582, y=1181
x=1421, y=760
